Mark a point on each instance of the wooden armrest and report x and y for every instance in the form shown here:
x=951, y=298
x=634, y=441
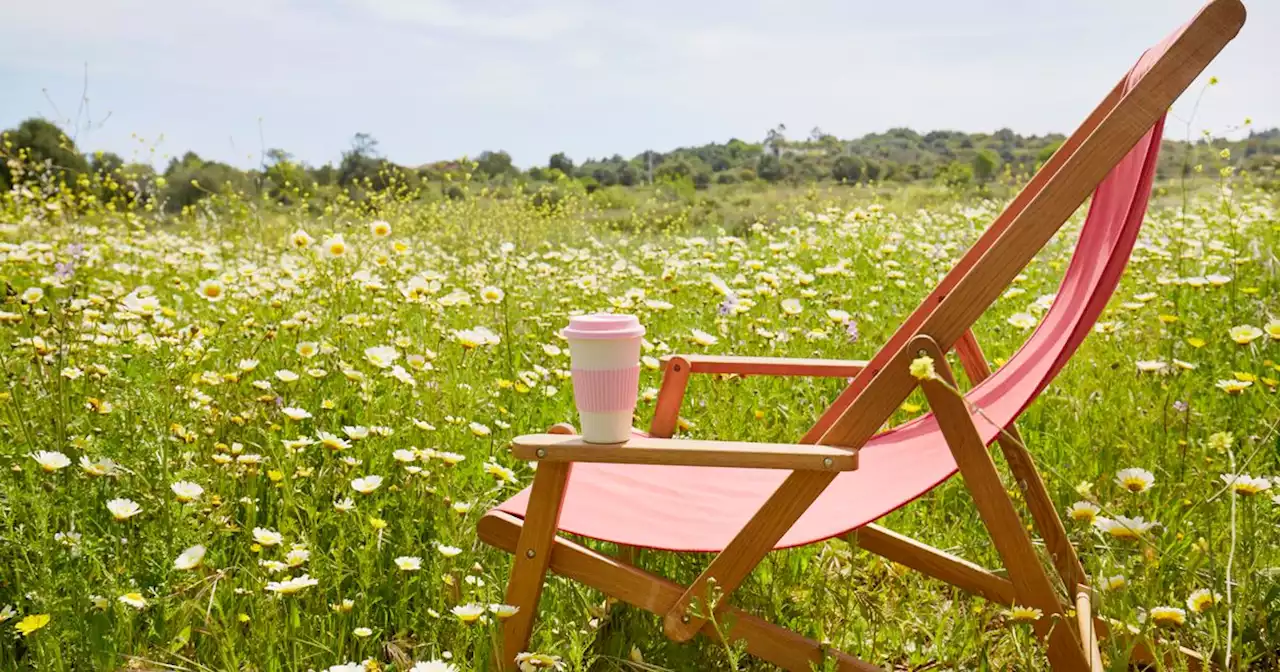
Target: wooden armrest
x=770, y=366
x=685, y=452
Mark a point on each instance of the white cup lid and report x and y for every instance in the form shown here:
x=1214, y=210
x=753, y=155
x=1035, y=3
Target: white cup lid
x=603, y=326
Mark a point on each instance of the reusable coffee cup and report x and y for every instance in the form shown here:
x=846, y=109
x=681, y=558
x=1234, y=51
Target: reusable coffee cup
x=604, y=350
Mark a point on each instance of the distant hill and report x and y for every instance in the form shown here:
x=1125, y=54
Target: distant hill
x=904, y=154
x=37, y=151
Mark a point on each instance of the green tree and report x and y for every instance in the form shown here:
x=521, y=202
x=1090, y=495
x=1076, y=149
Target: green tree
x=956, y=174
x=495, y=164
x=562, y=163
x=360, y=162
x=774, y=140
x=876, y=170
x=1047, y=151
x=628, y=175
x=674, y=169
x=738, y=149
x=769, y=168
x=606, y=175
x=286, y=180
x=40, y=147
x=191, y=179
x=105, y=163
x=985, y=163
x=324, y=175
x=848, y=168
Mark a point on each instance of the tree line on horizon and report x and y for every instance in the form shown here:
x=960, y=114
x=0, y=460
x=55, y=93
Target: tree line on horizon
x=38, y=151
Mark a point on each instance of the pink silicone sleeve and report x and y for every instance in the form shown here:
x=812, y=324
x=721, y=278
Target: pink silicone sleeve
x=606, y=391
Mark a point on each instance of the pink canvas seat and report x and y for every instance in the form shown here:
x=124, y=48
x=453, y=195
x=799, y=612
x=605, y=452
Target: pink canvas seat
x=702, y=508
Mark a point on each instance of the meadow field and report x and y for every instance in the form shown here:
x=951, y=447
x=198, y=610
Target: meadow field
x=258, y=437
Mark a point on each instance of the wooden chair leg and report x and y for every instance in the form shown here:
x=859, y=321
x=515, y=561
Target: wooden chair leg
x=532, y=556
x=1030, y=582
x=764, y=640
x=1084, y=625
x=732, y=565
x=1043, y=513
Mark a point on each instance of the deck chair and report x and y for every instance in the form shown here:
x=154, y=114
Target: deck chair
x=741, y=500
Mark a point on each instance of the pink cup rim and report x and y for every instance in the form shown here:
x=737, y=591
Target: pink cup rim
x=603, y=326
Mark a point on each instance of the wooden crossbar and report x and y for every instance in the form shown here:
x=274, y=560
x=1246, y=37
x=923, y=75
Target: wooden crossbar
x=935, y=563
x=636, y=587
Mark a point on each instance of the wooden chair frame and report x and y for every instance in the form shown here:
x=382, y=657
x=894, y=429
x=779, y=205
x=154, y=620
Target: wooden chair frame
x=878, y=387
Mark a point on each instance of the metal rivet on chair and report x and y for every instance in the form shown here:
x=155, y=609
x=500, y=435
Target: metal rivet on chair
x=530, y=553
x=922, y=353
x=686, y=618
x=542, y=452
x=826, y=462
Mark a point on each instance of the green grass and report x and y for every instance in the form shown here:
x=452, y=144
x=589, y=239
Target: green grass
x=164, y=390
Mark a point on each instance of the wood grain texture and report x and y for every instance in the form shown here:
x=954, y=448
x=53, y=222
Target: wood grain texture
x=1031, y=585
x=524, y=588
x=1043, y=513
x=972, y=360
x=936, y=563
x=1084, y=625
x=634, y=586
x=666, y=412
x=783, y=508
x=555, y=448
x=774, y=366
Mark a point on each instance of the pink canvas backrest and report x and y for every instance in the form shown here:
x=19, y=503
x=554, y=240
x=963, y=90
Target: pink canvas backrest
x=1106, y=239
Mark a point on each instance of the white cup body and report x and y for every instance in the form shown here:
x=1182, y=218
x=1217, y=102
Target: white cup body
x=605, y=367
x=593, y=354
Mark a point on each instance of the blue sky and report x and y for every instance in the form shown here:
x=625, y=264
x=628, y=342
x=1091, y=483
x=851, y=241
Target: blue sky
x=435, y=79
